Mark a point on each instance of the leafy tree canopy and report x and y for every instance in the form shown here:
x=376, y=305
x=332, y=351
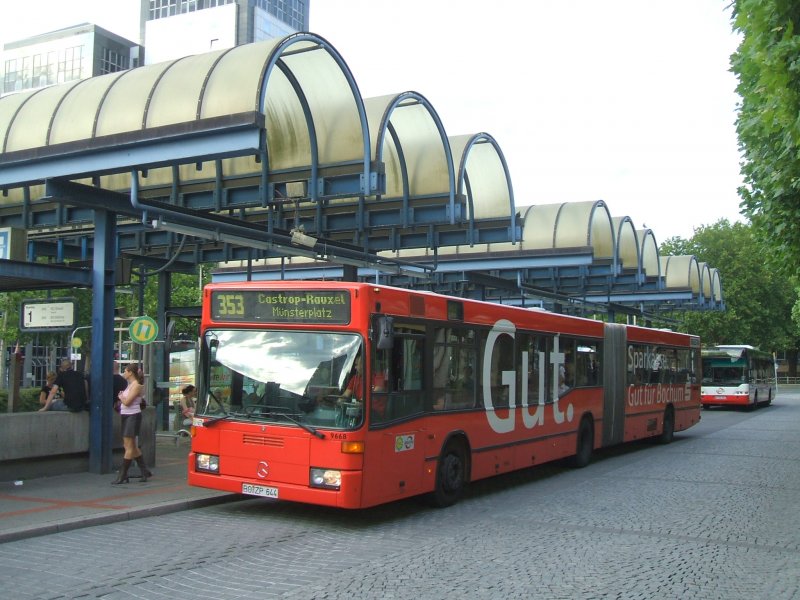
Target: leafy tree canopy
x=186, y=291
x=758, y=297
x=767, y=64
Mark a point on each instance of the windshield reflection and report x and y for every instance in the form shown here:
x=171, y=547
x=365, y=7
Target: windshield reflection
x=288, y=377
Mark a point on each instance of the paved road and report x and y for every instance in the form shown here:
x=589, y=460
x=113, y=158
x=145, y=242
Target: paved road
x=713, y=515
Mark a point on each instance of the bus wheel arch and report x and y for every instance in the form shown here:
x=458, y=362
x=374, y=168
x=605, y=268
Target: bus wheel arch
x=584, y=444
x=452, y=471
x=668, y=425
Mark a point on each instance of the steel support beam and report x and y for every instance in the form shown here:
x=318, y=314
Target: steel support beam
x=102, y=365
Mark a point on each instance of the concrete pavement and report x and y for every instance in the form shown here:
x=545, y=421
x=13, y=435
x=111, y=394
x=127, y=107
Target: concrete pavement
x=45, y=505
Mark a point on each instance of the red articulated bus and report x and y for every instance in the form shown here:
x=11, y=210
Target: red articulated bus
x=353, y=395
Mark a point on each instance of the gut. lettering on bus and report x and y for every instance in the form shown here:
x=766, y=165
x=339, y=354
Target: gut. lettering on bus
x=509, y=378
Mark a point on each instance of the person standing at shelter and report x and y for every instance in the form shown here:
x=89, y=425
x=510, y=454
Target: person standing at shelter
x=131, y=412
x=188, y=401
x=73, y=388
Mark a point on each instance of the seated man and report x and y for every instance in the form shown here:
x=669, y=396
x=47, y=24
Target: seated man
x=355, y=385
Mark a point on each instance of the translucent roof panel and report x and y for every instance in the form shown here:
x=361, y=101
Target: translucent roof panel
x=716, y=286
x=570, y=225
x=705, y=280
x=627, y=242
x=177, y=95
x=410, y=128
x=9, y=105
x=651, y=261
x=482, y=175
x=299, y=83
x=241, y=69
x=123, y=109
x=31, y=124
x=682, y=272
x=72, y=121
x=585, y=224
x=539, y=225
x=334, y=109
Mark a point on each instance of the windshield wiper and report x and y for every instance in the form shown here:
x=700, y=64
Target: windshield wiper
x=305, y=426
x=229, y=415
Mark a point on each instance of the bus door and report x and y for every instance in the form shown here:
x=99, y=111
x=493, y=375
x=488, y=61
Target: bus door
x=614, y=383
x=395, y=453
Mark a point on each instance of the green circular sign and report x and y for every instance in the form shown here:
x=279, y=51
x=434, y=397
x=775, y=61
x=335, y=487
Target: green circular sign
x=143, y=330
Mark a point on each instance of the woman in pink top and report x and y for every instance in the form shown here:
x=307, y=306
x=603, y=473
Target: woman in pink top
x=131, y=413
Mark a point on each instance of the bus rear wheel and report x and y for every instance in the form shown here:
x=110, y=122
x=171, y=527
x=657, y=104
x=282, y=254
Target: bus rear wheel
x=584, y=444
x=668, y=430
x=451, y=475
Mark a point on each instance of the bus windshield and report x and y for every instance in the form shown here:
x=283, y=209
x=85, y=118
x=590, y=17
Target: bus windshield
x=287, y=377
x=723, y=374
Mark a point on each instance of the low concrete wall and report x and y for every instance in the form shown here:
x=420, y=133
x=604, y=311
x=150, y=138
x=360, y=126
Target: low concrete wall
x=39, y=444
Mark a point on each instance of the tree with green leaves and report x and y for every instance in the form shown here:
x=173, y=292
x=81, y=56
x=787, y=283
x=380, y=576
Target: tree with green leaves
x=767, y=64
x=758, y=296
x=185, y=291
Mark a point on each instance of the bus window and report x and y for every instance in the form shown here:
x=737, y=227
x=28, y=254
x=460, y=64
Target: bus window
x=567, y=371
x=536, y=388
x=587, y=364
x=502, y=360
x=453, y=368
x=404, y=392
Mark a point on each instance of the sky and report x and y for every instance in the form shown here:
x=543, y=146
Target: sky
x=627, y=101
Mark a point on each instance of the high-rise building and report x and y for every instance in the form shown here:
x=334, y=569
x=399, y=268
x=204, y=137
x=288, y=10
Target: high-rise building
x=64, y=55
x=175, y=28
x=169, y=29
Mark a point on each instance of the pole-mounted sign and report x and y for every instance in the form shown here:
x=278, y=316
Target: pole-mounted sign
x=143, y=330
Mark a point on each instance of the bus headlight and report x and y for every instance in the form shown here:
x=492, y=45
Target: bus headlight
x=326, y=478
x=207, y=462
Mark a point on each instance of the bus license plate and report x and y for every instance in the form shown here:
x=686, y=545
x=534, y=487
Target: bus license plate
x=260, y=490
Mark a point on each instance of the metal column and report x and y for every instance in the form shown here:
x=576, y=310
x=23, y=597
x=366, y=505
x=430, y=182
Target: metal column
x=102, y=365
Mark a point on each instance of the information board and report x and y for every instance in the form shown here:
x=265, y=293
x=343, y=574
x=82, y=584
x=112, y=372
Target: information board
x=47, y=315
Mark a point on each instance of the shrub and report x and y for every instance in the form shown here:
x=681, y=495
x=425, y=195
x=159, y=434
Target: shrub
x=28, y=400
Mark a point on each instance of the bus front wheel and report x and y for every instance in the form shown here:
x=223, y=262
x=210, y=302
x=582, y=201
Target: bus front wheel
x=451, y=475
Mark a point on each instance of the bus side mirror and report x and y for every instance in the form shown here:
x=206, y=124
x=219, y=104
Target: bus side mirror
x=383, y=332
x=212, y=349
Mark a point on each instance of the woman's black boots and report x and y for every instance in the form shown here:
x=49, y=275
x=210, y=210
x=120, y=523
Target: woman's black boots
x=143, y=468
x=123, y=473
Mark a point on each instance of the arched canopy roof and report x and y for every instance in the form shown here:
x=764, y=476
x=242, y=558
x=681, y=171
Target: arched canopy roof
x=297, y=90
x=483, y=176
x=570, y=225
x=278, y=132
x=628, y=250
x=716, y=285
x=683, y=272
x=706, y=288
x=651, y=263
x=409, y=138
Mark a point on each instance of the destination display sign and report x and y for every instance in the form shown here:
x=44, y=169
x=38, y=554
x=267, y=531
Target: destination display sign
x=282, y=306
